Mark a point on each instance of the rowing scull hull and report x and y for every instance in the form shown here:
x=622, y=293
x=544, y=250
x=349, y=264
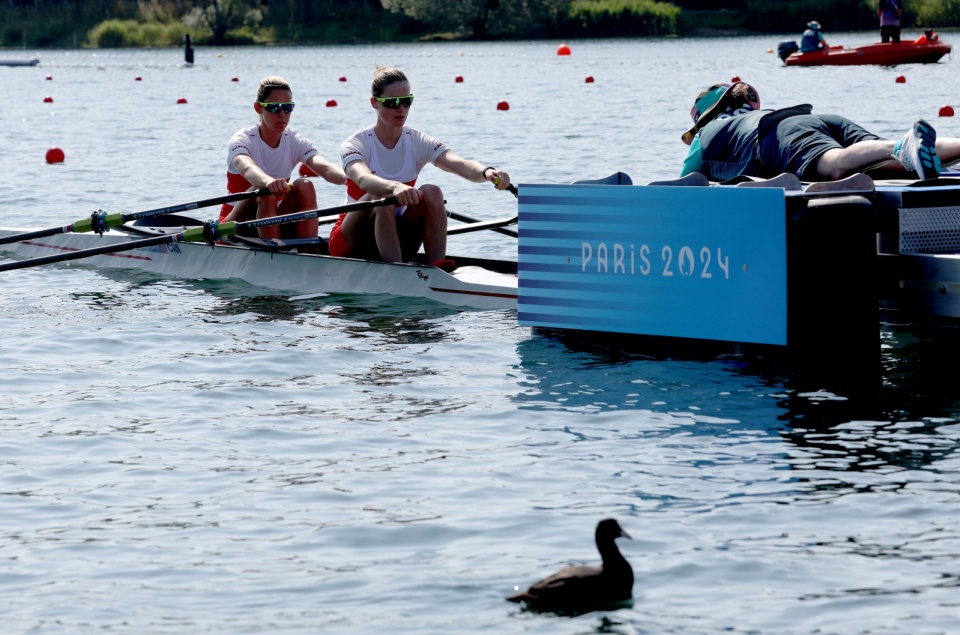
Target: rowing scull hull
x=468, y=286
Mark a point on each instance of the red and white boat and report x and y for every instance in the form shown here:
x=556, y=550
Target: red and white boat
x=926, y=49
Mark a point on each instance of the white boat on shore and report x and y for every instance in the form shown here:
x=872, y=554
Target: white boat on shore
x=474, y=283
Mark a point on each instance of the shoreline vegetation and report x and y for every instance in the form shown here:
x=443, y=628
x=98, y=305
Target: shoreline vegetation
x=38, y=24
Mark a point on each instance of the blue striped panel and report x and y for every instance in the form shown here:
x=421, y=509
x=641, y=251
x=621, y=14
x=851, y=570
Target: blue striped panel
x=646, y=260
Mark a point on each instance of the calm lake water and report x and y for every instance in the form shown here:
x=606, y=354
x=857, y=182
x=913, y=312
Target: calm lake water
x=188, y=456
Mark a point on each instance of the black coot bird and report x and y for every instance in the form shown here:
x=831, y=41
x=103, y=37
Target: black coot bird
x=579, y=589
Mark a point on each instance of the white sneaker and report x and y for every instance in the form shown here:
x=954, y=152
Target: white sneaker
x=917, y=151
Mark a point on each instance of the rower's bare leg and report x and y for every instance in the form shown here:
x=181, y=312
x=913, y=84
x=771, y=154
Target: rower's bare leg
x=838, y=163
x=306, y=197
x=948, y=149
x=267, y=208
x=434, y=223
x=386, y=234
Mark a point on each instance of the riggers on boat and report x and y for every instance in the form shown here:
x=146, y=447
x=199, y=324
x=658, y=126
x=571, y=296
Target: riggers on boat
x=926, y=49
x=761, y=266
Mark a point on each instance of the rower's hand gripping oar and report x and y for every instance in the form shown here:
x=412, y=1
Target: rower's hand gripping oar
x=100, y=222
x=210, y=233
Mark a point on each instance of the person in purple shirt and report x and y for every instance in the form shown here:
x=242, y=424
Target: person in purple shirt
x=889, y=12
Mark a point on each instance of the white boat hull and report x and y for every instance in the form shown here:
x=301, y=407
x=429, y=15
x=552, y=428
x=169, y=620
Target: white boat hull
x=468, y=286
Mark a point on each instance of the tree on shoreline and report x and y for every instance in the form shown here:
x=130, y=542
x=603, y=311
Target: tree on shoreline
x=221, y=16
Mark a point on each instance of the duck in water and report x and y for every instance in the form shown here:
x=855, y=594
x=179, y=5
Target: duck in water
x=579, y=589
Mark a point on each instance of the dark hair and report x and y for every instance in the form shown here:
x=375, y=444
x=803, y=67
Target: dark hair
x=383, y=76
x=268, y=84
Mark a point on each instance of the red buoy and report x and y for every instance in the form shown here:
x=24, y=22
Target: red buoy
x=458, y=79
x=901, y=79
x=49, y=77
x=48, y=100
x=946, y=111
x=55, y=155
x=305, y=170
x=589, y=79
x=138, y=79
x=235, y=79
x=563, y=49
x=503, y=106
x=331, y=103
x=343, y=78
x=182, y=100
x=735, y=79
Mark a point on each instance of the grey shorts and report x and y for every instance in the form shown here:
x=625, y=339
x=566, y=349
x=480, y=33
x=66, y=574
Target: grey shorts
x=802, y=139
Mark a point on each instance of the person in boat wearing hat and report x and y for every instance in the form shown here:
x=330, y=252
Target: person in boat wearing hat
x=385, y=159
x=731, y=137
x=264, y=155
x=812, y=38
x=889, y=12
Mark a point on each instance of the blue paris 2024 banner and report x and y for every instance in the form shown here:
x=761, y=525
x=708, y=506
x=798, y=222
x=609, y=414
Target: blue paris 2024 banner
x=699, y=262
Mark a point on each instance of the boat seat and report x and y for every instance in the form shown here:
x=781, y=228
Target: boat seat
x=857, y=183
x=785, y=181
x=694, y=179
x=617, y=178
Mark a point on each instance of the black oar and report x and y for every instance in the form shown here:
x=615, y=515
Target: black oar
x=99, y=221
x=210, y=232
x=496, y=226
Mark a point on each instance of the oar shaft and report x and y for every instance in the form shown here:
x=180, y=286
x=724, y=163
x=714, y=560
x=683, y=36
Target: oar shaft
x=194, y=234
x=93, y=223
x=480, y=225
x=316, y=213
x=463, y=218
x=86, y=253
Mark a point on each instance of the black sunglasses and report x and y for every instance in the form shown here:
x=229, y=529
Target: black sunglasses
x=273, y=107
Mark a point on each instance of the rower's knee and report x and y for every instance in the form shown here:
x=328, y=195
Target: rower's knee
x=431, y=196
x=306, y=194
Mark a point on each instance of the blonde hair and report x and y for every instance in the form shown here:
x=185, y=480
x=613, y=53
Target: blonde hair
x=269, y=84
x=383, y=76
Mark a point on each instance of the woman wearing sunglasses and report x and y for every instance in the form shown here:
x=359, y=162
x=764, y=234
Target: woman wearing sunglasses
x=264, y=155
x=385, y=160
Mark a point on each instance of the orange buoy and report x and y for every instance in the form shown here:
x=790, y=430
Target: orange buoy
x=235, y=79
x=901, y=79
x=331, y=103
x=343, y=78
x=458, y=79
x=138, y=79
x=946, y=111
x=55, y=155
x=589, y=79
x=48, y=100
x=563, y=49
x=182, y=100
x=735, y=79
x=503, y=106
x=306, y=170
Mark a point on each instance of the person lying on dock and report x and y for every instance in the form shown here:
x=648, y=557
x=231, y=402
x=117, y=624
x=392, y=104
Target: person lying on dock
x=385, y=160
x=731, y=136
x=264, y=155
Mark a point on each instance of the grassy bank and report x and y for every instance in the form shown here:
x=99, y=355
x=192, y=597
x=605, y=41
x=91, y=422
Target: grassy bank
x=158, y=23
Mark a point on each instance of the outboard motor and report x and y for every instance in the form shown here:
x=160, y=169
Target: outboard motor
x=786, y=49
